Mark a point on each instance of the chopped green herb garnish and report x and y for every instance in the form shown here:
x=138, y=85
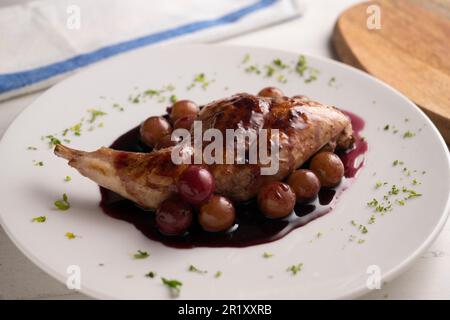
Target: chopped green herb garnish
x=332, y=82
x=360, y=227
x=277, y=66
x=373, y=203
x=383, y=208
x=372, y=219
x=118, y=107
x=200, y=78
x=168, y=87
x=387, y=205
x=386, y=127
x=394, y=190
x=152, y=92
x=312, y=76
x=406, y=171
x=76, y=129
x=281, y=78
x=267, y=254
x=195, y=269
x=52, y=140
x=141, y=254
x=67, y=179
x=151, y=274
x=135, y=99
x=363, y=229
x=361, y=241
x=408, y=134
x=218, y=274
x=253, y=69
x=270, y=71
x=173, y=98
x=39, y=219
x=38, y=163
x=301, y=65
x=173, y=285
x=32, y=148
x=311, y=79
x=295, y=268
x=95, y=114
x=279, y=63
x=70, y=235
x=246, y=58
x=62, y=204
x=411, y=193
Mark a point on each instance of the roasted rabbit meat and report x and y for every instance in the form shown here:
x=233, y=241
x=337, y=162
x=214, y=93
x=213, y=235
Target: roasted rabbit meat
x=304, y=127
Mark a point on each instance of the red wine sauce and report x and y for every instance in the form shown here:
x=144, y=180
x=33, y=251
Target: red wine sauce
x=251, y=226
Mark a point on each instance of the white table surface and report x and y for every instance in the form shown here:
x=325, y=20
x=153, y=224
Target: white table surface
x=428, y=278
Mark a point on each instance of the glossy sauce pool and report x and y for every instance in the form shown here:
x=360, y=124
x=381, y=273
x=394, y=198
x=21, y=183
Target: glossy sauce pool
x=251, y=226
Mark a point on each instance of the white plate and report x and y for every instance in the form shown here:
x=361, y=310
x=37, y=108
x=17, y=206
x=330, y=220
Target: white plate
x=334, y=266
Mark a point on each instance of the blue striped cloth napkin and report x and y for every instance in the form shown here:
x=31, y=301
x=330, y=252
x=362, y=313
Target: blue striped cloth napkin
x=43, y=41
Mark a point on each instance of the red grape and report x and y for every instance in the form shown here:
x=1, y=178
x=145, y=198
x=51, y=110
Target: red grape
x=173, y=216
x=276, y=200
x=184, y=122
x=196, y=185
x=183, y=108
x=328, y=168
x=153, y=130
x=217, y=214
x=271, y=92
x=305, y=184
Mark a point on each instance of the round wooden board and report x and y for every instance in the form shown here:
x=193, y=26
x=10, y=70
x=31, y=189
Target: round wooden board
x=411, y=50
